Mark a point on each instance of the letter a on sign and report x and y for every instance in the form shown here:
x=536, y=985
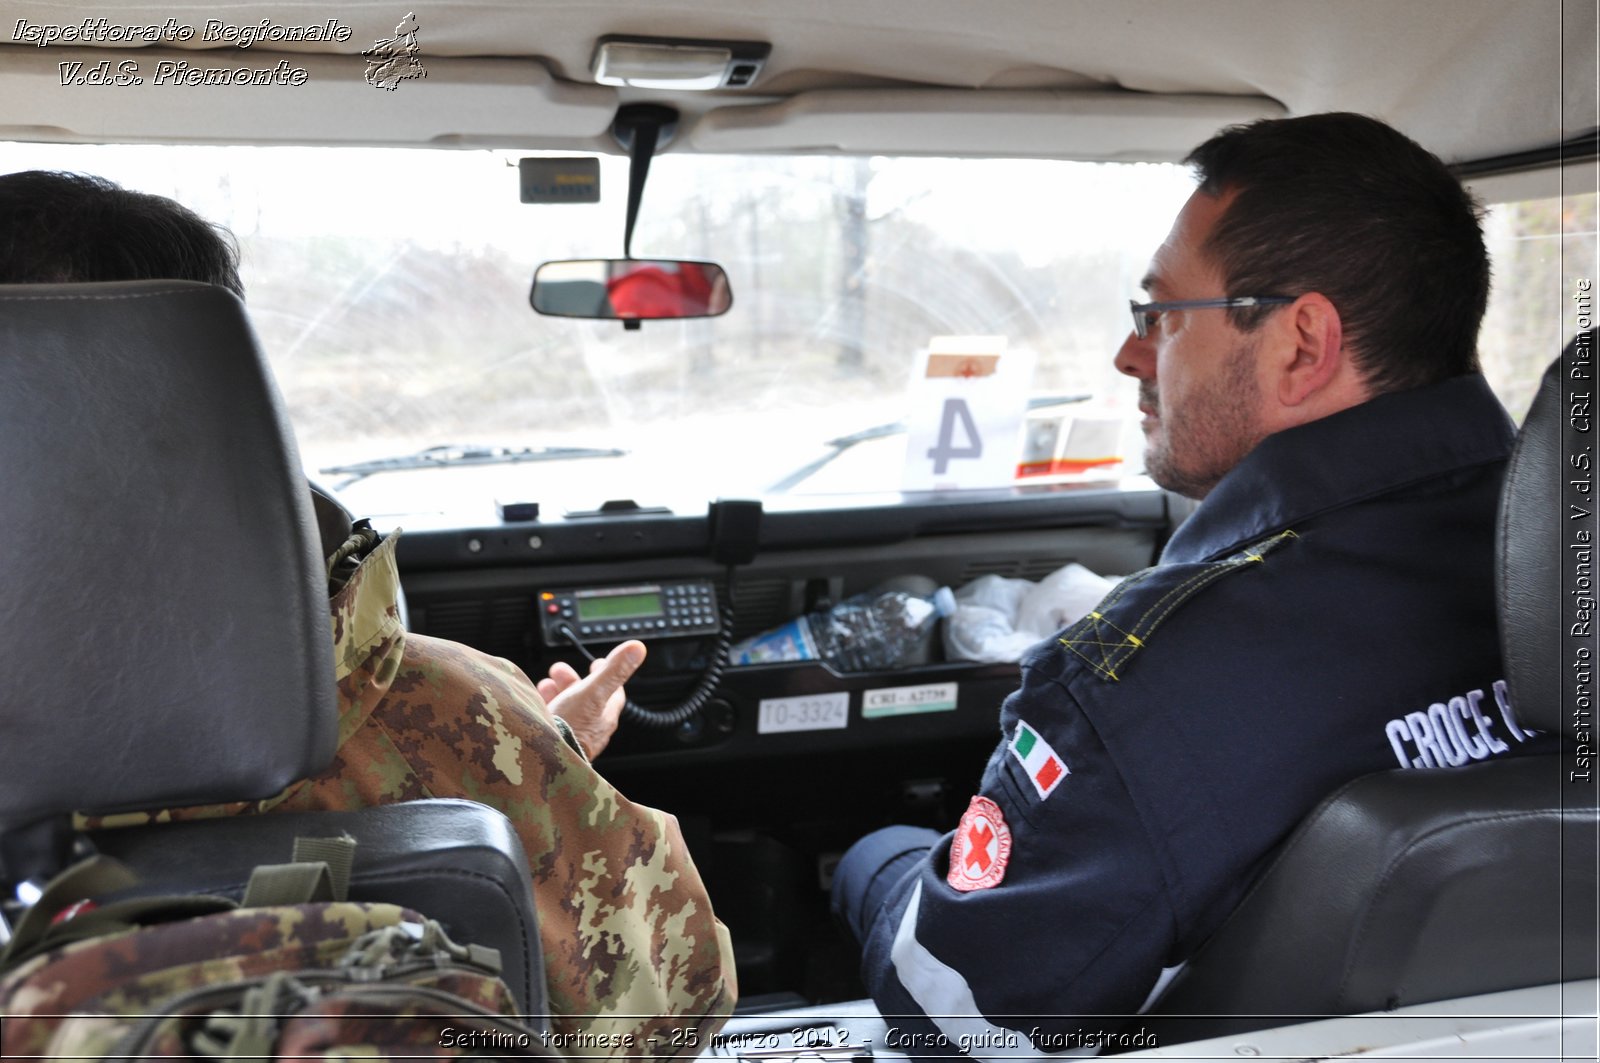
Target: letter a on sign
x=964, y=413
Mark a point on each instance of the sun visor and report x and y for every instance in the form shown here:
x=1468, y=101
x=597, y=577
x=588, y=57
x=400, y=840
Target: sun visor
x=221, y=95
x=1100, y=125
x=1576, y=178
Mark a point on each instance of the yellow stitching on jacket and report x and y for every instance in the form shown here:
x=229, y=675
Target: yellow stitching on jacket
x=1113, y=654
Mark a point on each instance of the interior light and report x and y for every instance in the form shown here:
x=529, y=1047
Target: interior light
x=678, y=65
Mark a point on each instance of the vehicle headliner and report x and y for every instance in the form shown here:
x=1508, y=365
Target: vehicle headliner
x=1090, y=79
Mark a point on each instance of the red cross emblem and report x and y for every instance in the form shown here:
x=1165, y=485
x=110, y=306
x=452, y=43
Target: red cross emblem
x=980, y=849
x=979, y=835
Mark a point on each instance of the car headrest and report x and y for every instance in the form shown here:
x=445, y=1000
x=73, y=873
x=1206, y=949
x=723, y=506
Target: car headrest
x=1529, y=558
x=334, y=521
x=163, y=609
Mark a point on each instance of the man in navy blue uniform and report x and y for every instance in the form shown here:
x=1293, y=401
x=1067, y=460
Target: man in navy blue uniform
x=1307, y=365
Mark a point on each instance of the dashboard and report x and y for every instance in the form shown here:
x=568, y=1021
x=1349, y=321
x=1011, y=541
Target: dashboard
x=508, y=591
x=786, y=763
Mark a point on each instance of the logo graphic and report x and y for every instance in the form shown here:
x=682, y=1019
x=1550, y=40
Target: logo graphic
x=394, y=60
x=981, y=848
x=1039, y=762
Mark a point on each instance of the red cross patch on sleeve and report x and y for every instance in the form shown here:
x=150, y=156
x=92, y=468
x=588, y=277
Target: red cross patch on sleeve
x=981, y=848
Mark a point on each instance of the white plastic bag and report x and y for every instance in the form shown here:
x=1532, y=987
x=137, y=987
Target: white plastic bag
x=996, y=619
x=1061, y=599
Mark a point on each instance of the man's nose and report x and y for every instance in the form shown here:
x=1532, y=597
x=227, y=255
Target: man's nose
x=1136, y=357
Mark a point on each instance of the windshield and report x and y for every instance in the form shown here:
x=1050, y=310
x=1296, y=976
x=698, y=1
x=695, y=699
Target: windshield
x=390, y=291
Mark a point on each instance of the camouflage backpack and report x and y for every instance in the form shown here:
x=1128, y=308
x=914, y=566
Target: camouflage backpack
x=203, y=978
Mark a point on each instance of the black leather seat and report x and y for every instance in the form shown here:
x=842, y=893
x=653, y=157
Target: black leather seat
x=1409, y=887
x=164, y=618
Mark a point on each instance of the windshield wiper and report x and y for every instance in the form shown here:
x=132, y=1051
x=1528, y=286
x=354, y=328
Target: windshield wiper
x=894, y=428
x=449, y=455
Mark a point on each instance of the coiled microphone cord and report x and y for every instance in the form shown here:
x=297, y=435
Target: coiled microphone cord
x=689, y=707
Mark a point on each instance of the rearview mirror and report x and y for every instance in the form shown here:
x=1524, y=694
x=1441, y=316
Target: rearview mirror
x=630, y=289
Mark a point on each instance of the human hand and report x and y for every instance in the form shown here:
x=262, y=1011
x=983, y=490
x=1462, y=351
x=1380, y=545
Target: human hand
x=592, y=704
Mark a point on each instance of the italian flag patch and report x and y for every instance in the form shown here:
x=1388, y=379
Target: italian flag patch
x=1039, y=762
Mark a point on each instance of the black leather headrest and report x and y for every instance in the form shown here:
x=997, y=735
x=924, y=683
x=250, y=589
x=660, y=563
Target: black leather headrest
x=334, y=521
x=163, y=614
x=1534, y=527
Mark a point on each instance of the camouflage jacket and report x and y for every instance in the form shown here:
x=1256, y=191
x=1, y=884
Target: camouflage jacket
x=180, y=989
x=631, y=946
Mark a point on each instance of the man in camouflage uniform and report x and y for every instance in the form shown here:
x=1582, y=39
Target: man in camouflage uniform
x=630, y=941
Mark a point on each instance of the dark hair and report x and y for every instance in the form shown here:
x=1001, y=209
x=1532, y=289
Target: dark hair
x=65, y=227
x=1344, y=205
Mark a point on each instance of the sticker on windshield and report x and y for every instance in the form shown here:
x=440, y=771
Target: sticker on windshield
x=808, y=712
x=908, y=701
x=965, y=366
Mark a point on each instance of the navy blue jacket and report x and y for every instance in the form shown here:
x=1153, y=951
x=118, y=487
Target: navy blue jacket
x=1327, y=612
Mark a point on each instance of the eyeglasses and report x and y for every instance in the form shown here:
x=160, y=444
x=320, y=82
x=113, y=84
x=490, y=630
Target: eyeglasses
x=1145, y=314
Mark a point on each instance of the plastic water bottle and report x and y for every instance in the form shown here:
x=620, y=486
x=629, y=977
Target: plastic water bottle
x=872, y=632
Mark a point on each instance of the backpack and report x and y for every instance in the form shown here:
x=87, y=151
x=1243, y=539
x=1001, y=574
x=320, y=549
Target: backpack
x=127, y=976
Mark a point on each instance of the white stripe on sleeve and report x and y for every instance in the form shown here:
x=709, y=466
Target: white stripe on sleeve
x=944, y=996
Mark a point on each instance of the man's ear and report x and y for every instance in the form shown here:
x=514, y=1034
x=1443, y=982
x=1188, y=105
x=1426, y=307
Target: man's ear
x=1314, y=358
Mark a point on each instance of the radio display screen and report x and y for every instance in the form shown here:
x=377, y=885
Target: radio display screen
x=613, y=606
